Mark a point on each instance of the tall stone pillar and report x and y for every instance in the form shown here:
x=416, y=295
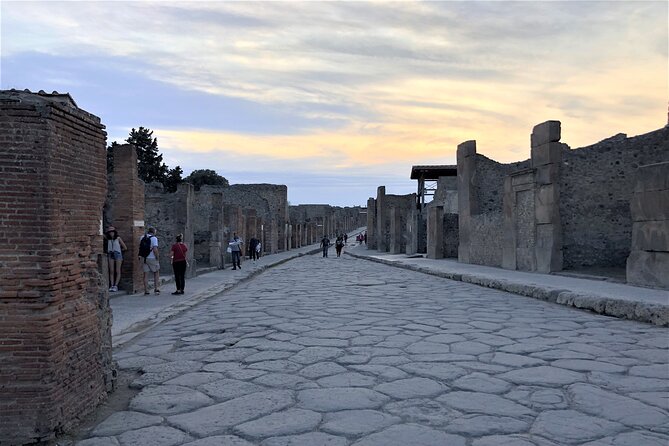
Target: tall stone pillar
x=546, y=160
x=467, y=201
x=412, y=231
x=382, y=220
x=55, y=320
x=396, y=232
x=217, y=245
x=128, y=211
x=648, y=262
x=435, y=232
x=371, y=223
x=183, y=218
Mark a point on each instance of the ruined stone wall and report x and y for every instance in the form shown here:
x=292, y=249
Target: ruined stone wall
x=480, y=199
x=596, y=185
x=171, y=214
x=450, y=231
x=271, y=204
x=55, y=329
x=371, y=224
x=399, y=212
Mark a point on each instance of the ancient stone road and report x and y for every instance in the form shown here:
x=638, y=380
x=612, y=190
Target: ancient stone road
x=349, y=352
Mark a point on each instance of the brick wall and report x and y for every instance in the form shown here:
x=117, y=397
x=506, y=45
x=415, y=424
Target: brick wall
x=55, y=338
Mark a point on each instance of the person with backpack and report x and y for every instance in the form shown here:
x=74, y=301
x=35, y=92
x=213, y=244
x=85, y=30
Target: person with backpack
x=148, y=258
x=179, y=263
x=339, y=244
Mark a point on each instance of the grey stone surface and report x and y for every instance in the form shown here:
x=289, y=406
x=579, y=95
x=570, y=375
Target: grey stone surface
x=214, y=419
x=120, y=422
x=168, y=400
x=99, y=441
x=572, y=427
x=289, y=422
x=413, y=434
x=153, y=436
x=399, y=358
x=411, y=388
x=340, y=398
x=220, y=440
x=357, y=422
x=310, y=439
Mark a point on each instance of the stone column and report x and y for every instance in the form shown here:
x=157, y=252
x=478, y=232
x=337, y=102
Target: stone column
x=648, y=262
x=217, y=245
x=371, y=223
x=396, y=232
x=467, y=202
x=382, y=218
x=128, y=211
x=546, y=159
x=435, y=232
x=412, y=231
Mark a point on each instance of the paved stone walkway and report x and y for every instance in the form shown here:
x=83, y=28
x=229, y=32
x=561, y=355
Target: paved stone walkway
x=343, y=351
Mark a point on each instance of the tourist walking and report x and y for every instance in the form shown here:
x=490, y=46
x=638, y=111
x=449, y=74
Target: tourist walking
x=364, y=237
x=252, y=248
x=339, y=244
x=148, y=258
x=345, y=238
x=236, y=251
x=325, y=244
x=258, y=249
x=179, y=263
x=115, y=248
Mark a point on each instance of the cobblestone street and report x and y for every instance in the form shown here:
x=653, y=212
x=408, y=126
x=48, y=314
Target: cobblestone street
x=343, y=351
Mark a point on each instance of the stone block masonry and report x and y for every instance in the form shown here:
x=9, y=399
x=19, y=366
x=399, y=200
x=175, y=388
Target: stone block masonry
x=55, y=320
x=648, y=262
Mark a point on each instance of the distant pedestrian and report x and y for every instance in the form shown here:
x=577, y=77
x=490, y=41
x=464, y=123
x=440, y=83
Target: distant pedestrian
x=252, y=248
x=361, y=238
x=364, y=237
x=148, y=258
x=345, y=238
x=339, y=244
x=325, y=244
x=258, y=249
x=115, y=248
x=236, y=251
x=179, y=263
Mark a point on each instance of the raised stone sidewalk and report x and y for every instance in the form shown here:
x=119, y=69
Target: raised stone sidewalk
x=612, y=299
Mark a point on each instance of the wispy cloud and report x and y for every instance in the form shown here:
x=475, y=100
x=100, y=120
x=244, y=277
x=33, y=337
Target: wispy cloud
x=378, y=83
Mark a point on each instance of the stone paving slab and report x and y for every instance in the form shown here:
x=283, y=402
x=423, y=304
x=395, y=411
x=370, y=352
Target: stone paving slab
x=134, y=314
x=612, y=299
x=343, y=351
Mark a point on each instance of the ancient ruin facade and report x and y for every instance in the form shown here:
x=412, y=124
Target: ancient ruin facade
x=596, y=209
x=55, y=361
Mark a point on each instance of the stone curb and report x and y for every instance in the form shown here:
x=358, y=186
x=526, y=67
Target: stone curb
x=656, y=314
x=167, y=313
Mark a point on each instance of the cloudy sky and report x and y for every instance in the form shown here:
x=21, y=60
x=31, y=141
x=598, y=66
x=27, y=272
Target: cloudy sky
x=336, y=98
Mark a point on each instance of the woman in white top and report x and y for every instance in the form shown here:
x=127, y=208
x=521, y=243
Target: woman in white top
x=115, y=248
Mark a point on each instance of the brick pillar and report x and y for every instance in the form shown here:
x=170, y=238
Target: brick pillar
x=127, y=209
x=546, y=159
x=371, y=223
x=648, y=262
x=467, y=202
x=435, y=232
x=55, y=320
